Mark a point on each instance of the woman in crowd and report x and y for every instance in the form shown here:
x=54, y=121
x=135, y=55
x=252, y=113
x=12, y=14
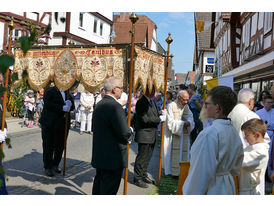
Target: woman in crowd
x=259, y=104
x=86, y=108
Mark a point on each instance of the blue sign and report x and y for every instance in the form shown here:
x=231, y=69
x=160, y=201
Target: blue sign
x=210, y=60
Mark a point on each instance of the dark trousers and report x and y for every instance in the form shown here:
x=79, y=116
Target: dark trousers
x=107, y=182
x=30, y=115
x=142, y=160
x=53, y=145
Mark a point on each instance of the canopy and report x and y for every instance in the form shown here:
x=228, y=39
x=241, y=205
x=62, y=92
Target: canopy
x=90, y=64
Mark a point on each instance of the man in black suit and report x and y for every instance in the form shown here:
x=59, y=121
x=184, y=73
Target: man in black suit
x=53, y=123
x=147, y=119
x=110, y=137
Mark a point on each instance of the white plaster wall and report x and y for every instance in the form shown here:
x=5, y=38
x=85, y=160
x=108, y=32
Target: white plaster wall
x=153, y=45
x=57, y=27
x=19, y=13
x=87, y=30
x=1, y=34
x=31, y=15
x=46, y=19
x=107, y=14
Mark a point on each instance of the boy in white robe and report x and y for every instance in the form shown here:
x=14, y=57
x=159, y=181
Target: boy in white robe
x=255, y=157
x=217, y=153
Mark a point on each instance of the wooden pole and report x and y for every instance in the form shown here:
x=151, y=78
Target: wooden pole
x=168, y=40
x=65, y=137
x=71, y=42
x=133, y=19
x=11, y=27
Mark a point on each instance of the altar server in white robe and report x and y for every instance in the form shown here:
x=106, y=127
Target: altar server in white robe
x=255, y=157
x=179, y=124
x=243, y=112
x=217, y=153
x=267, y=114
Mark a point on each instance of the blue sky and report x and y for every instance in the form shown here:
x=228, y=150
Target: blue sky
x=181, y=27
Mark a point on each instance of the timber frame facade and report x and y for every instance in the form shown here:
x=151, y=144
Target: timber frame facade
x=244, y=43
x=21, y=20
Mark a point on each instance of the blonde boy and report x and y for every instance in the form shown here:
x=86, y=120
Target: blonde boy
x=255, y=157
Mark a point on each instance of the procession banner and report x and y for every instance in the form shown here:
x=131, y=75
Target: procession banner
x=64, y=66
x=221, y=81
x=149, y=66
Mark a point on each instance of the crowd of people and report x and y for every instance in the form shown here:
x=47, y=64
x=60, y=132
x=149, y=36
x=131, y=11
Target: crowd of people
x=224, y=136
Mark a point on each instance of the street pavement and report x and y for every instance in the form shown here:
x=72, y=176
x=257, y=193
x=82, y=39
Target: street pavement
x=24, y=165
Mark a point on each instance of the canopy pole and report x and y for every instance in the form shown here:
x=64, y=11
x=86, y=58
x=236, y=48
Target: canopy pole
x=11, y=27
x=168, y=40
x=66, y=135
x=71, y=42
x=133, y=18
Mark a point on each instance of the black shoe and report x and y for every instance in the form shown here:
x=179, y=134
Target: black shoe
x=140, y=183
x=148, y=180
x=57, y=169
x=49, y=172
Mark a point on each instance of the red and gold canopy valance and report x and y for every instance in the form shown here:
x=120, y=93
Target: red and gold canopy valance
x=90, y=66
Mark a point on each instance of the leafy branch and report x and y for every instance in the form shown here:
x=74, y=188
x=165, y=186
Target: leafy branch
x=33, y=37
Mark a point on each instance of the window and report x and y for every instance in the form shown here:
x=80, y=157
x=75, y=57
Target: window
x=101, y=29
x=267, y=22
x=254, y=24
x=81, y=19
x=95, y=26
x=247, y=33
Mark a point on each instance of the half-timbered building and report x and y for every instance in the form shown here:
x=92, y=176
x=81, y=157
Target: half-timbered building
x=244, y=48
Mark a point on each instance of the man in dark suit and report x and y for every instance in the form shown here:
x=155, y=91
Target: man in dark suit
x=147, y=119
x=110, y=137
x=53, y=123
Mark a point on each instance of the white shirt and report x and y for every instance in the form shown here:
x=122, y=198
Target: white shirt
x=63, y=94
x=86, y=100
x=269, y=117
x=122, y=99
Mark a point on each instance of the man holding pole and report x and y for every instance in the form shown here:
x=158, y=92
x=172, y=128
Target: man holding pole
x=146, y=125
x=53, y=124
x=110, y=137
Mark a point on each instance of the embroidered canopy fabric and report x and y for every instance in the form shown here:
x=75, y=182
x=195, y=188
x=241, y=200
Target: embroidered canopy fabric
x=149, y=70
x=90, y=66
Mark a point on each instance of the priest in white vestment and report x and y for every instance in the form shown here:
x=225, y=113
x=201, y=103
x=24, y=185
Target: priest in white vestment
x=179, y=124
x=217, y=153
x=243, y=112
